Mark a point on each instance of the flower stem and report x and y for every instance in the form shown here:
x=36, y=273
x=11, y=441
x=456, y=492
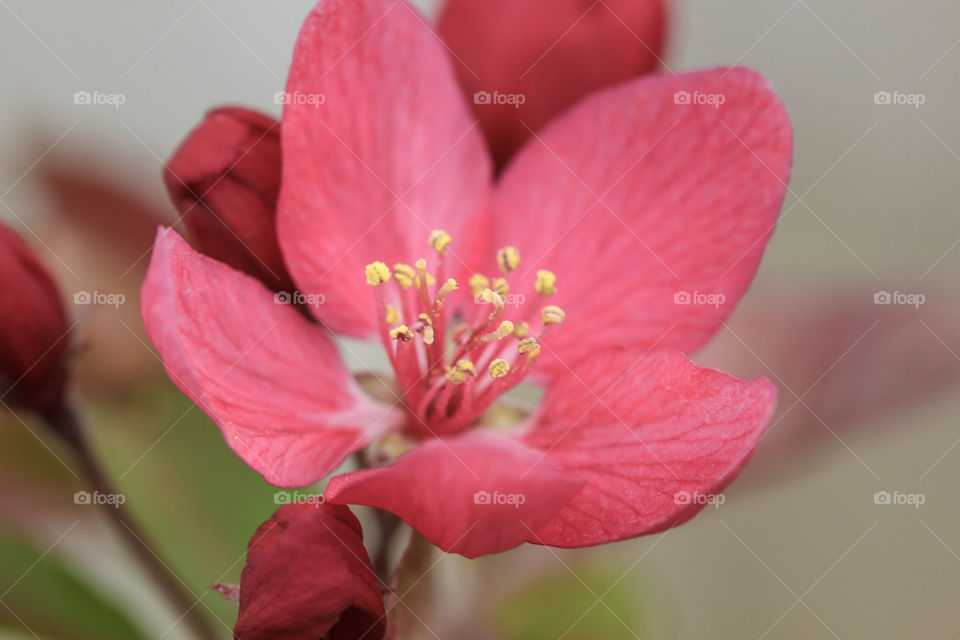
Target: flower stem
x=67, y=424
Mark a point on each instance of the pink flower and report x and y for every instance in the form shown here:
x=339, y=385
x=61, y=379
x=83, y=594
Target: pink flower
x=542, y=56
x=617, y=240
x=308, y=577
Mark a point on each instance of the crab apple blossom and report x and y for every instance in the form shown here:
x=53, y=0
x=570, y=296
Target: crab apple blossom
x=565, y=272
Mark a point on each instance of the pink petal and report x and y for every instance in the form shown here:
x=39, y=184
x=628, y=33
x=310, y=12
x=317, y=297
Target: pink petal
x=651, y=435
x=434, y=488
x=391, y=154
x=690, y=195
x=550, y=52
x=272, y=381
x=308, y=577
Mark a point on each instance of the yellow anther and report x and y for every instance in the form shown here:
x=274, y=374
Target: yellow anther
x=465, y=366
x=404, y=274
x=505, y=329
x=455, y=375
x=492, y=297
x=430, y=281
x=478, y=282
x=439, y=240
x=521, y=330
x=546, y=284
x=552, y=314
x=459, y=372
x=448, y=286
x=499, y=368
x=500, y=286
x=393, y=316
x=377, y=273
x=530, y=347
x=508, y=259
x=427, y=330
x=428, y=334
x=401, y=333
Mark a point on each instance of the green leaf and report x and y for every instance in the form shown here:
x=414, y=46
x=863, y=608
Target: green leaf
x=43, y=597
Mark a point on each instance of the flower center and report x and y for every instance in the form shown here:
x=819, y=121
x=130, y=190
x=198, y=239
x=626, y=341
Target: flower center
x=449, y=375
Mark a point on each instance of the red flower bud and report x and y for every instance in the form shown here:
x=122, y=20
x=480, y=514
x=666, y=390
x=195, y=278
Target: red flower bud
x=224, y=179
x=308, y=577
x=34, y=340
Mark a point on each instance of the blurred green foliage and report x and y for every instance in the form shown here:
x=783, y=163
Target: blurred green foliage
x=589, y=602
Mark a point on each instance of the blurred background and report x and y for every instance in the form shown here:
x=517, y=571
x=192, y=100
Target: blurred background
x=844, y=525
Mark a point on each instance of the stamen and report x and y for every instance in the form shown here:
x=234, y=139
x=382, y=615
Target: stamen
x=508, y=259
x=479, y=282
x=505, y=329
x=546, y=284
x=401, y=333
x=439, y=240
x=530, y=347
x=493, y=298
x=499, y=368
x=393, y=316
x=426, y=328
x=438, y=380
x=448, y=286
x=377, y=273
x=552, y=314
x=458, y=373
x=521, y=330
x=404, y=274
